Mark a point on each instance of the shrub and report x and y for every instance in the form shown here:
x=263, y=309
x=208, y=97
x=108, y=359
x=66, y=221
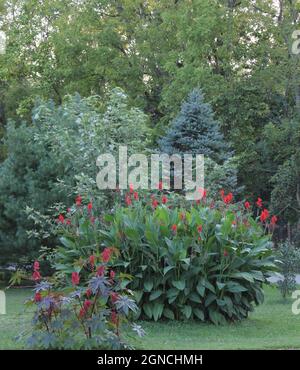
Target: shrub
x=50, y=158
x=82, y=316
x=289, y=263
x=207, y=261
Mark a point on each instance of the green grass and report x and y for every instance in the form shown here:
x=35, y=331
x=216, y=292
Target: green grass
x=271, y=325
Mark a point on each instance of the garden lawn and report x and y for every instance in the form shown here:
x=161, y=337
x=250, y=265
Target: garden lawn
x=272, y=325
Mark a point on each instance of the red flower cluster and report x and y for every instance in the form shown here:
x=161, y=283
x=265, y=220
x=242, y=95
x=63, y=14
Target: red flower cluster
x=164, y=199
x=247, y=205
x=227, y=199
x=61, y=219
x=36, y=273
x=84, y=310
x=264, y=215
x=100, y=270
x=154, y=203
x=78, y=200
x=88, y=292
x=92, y=260
x=274, y=220
x=114, y=297
x=106, y=254
x=199, y=229
x=128, y=200
x=174, y=228
x=203, y=192
x=75, y=278
x=37, y=297
x=259, y=202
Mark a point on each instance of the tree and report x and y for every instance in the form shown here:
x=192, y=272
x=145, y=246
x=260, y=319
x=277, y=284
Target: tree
x=195, y=131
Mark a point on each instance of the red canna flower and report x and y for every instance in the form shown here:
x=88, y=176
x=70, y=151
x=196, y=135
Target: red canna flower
x=87, y=304
x=222, y=192
x=92, y=219
x=78, y=200
x=164, y=199
x=68, y=221
x=174, y=228
x=128, y=200
x=226, y=254
x=136, y=195
x=75, y=278
x=274, y=220
x=160, y=185
x=199, y=229
x=69, y=210
x=37, y=297
x=92, y=259
x=259, y=202
x=247, y=205
x=106, y=254
x=264, y=215
x=228, y=198
x=88, y=292
x=112, y=274
x=131, y=188
x=203, y=192
x=36, y=266
x=90, y=206
x=61, y=219
x=100, y=270
x=154, y=203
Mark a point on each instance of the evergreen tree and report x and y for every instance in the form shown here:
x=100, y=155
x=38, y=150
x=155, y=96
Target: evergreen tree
x=195, y=131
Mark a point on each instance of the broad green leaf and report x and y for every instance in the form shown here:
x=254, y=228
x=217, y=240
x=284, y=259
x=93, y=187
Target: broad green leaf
x=148, y=285
x=199, y=313
x=157, y=310
x=179, y=284
x=155, y=294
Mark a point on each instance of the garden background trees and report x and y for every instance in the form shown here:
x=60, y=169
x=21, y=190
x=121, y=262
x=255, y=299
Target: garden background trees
x=238, y=52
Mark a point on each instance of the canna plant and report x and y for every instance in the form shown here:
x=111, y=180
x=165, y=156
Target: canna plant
x=206, y=261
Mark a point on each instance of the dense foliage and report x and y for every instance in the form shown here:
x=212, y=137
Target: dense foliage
x=55, y=156
x=208, y=262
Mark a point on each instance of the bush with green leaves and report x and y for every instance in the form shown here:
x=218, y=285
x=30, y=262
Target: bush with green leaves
x=54, y=156
x=205, y=261
x=289, y=265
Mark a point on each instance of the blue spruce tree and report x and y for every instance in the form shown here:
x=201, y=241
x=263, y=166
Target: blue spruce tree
x=195, y=131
